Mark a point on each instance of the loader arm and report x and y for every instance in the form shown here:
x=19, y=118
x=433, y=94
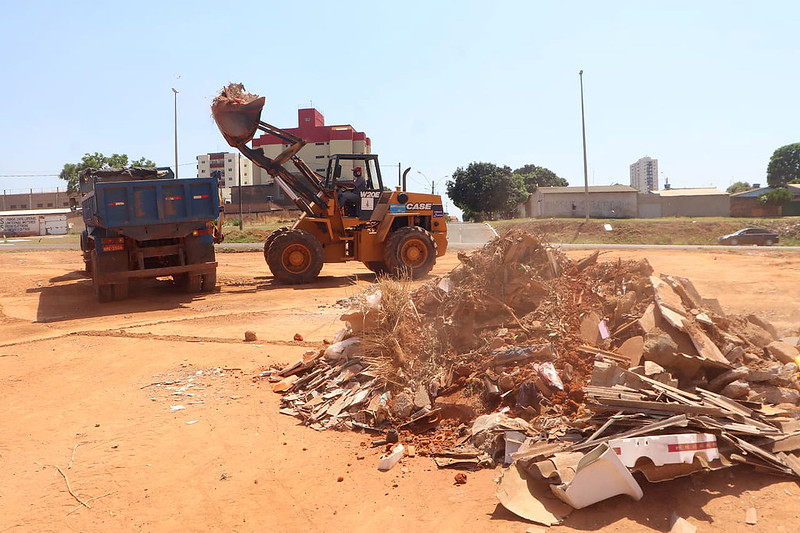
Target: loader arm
x=238, y=123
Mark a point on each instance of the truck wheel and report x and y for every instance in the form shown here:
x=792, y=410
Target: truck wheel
x=103, y=293
x=410, y=251
x=209, y=281
x=379, y=267
x=120, y=290
x=271, y=238
x=295, y=256
x=193, y=283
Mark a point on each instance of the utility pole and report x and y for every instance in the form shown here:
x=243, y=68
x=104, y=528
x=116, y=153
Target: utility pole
x=585, y=166
x=176, y=131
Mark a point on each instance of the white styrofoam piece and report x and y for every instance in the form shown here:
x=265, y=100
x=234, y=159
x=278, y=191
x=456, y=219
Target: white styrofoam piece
x=666, y=449
x=387, y=461
x=598, y=476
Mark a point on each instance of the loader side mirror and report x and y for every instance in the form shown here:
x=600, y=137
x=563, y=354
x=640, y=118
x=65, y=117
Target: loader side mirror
x=337, y=171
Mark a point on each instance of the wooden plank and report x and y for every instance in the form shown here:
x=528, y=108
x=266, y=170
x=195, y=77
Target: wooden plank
x=663, y=406
x=663, y=386
x=677, y=420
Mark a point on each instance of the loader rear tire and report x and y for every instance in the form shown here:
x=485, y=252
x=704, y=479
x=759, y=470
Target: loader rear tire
x=271, y=238
x=410, y=251
x=295, y=256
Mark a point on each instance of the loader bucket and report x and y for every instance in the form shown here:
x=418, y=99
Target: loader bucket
x=237, y=121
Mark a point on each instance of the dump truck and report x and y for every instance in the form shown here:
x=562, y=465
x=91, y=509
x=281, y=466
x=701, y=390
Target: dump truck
x=144, y=223
x=395, y=232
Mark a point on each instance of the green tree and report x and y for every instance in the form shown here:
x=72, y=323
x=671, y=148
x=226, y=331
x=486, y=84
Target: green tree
x=776, y=197
x=97, y=160
x=784, y=166
x=484, y=190
x=739, y=186
x=534, y=176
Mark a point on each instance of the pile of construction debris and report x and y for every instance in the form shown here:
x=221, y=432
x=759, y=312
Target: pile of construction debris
x=564, y=370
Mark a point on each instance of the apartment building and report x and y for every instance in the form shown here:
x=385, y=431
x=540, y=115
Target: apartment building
x=644, y=175
x=322, y=142
x=232, y=166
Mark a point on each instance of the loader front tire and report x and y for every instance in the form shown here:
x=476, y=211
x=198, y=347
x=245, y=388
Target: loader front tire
x=379, y=267
x=410, y=251
x=271, y=238
x=294, y=257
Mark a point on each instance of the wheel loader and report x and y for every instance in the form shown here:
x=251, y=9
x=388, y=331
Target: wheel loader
x=396, y=232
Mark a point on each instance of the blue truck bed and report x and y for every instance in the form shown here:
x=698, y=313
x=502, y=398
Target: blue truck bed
x=152, y=209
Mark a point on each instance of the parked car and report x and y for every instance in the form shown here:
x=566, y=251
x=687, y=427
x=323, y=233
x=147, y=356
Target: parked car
x=757, y=236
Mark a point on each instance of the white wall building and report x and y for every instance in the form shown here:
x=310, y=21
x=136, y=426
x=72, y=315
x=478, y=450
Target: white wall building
x=231, y=165
x=644, y=175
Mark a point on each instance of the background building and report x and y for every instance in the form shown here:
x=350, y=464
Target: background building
x=644, y=175
x=231, y=165
x=322, y=142
x=605, y=201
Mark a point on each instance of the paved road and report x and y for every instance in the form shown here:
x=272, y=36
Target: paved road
x=460, y=236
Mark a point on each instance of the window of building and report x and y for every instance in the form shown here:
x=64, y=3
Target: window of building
x=308, y=119
x=39, y=205
x=320, y=144
x=230, y=160
x=320, y=157
x=66, y=204
x=49, y=204
x=13, y=206
x=320, y=170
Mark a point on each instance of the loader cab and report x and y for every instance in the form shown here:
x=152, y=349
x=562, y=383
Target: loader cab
x=339, y=177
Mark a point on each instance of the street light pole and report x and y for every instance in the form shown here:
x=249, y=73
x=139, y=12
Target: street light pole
x=176, y=131
x=585, y=166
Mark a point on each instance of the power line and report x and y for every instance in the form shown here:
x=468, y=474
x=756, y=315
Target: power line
x=29, y=175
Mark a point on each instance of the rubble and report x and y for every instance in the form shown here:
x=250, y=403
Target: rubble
x=522, y=356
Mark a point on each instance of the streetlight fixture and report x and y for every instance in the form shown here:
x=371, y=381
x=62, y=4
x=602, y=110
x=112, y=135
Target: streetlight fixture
x=585, y=166
x=176, y=131
x=429, y=181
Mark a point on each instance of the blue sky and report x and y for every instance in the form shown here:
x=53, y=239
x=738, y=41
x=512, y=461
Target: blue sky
x=708, y=88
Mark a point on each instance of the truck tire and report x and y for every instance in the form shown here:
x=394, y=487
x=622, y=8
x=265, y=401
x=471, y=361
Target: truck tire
x=193, y=283
x=379, y=267
x=120, y=290
x=410, y=251
x=295, y=256
x=103, y=293
x=209, y=281
x=271, y=238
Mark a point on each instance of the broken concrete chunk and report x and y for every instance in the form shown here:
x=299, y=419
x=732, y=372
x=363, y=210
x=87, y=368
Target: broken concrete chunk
x=590, y=328
x=727, y=377
x=648, y=320
x=681, y=525
x=734, y=354
x=249, y=336
x=633, y=349
x=783, y=352
x=421, y=398
x=666, y=297
x=403, y=405
x=776, y=395
x=736, y=390
x=763, y=324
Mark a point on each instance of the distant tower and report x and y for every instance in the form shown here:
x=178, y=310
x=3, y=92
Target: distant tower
x=644, y=174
